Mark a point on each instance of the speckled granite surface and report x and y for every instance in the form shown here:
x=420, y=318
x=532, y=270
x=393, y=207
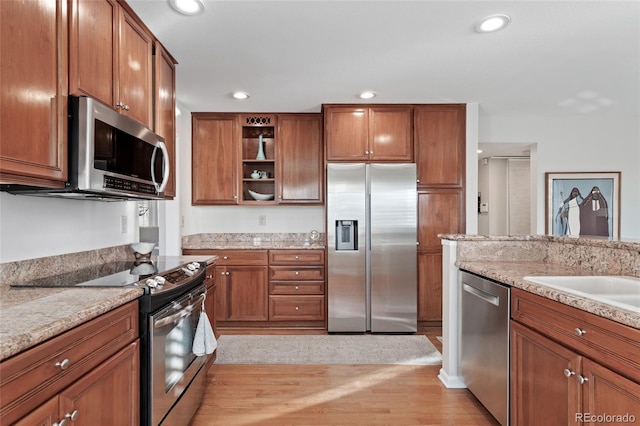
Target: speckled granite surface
x=510, y=258
x=249, y=241
x=29, y=316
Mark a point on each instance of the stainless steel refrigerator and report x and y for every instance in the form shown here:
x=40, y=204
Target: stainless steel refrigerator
x=371, y=246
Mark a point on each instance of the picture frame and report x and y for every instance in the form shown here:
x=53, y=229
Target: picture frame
x=583, y=204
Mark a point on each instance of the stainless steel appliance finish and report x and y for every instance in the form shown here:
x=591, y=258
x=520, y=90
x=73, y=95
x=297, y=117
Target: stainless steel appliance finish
x=484, y=342
x=372, y=237
x=173, y=363
x=112, y=157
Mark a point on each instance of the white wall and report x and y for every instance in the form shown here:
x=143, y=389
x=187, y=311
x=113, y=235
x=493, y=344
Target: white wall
x=582, y=143
x=32, y=227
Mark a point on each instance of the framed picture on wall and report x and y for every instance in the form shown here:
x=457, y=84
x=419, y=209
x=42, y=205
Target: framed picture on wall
x=583, y=204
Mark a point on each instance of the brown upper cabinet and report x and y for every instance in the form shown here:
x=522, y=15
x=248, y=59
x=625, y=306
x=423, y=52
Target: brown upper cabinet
x=439, y=132
x=33, y=150
x=277, y=157
x=368, y=133
x=165, y=108
x=111, y=58
x=300, y=159
x=214, y=158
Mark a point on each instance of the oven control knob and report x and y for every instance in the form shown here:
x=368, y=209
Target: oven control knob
x=193, y=266
x=151, y=283
x=188, y=271
x=196, y=265
x=160, y=280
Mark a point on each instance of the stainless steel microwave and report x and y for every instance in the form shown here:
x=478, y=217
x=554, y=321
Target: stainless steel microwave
x=111, y=157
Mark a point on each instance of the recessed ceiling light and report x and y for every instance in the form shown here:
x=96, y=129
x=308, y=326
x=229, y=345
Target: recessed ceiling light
x=367, y=94
x=188, y=7
x=240, y=95
x=492, y=23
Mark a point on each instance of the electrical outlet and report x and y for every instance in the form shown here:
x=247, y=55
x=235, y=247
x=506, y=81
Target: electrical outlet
x=124, y=226
x=262, y=220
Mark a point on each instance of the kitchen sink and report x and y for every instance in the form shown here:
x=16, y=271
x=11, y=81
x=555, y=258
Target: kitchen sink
x=619, y=291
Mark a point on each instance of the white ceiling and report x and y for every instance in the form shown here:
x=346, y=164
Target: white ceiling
x=556, y=57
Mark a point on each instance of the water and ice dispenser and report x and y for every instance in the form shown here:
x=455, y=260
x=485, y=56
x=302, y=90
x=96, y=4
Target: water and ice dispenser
x=346, y=235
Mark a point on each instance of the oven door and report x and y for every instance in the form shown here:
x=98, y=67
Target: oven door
x=173, y=363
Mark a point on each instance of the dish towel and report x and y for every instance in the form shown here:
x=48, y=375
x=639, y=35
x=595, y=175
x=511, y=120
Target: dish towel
x=204, y=341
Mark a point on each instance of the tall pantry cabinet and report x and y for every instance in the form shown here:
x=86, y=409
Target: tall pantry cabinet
x=439, y=141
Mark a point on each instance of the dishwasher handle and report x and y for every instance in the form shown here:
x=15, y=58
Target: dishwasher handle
x=487, y=297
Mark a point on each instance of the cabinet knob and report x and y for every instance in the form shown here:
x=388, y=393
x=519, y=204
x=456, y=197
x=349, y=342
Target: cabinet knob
x=73, y=416
x=64, y=364
x=366, y=152
x=568, y=373
x=581, y=379
x=297, y=309
x=225, y=257
x=297, y=272
x=62, y=422
x=297, y=287
x=580, y=331
x=227, y=273
x=297, y=258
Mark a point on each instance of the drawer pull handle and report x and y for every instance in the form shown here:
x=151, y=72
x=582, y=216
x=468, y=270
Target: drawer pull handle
x=297, y=287
x=73, y=416
x=580, y=331
x=64, y=364
x=581, y=379
x=568, y=373
x=225, y=257
x=297, y=258
x=297, y=272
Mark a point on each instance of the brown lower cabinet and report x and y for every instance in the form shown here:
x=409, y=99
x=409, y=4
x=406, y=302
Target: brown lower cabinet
x=89, y=375
x=570, y=367
x=268, y=288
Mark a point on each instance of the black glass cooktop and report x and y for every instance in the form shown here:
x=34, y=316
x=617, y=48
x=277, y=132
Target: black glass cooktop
x=112, y=274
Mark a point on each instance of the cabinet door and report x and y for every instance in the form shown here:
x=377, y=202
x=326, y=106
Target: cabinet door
x=220, y=273
x=347, y=133
x=44, y=415
x=109, y=394
x=33, y=105
x=439, y=132
x=300, y=163
x=390, y=134
x=247, y=293
x=606, y=392
x=135, y=66
x=165, y=109
x=214, y=161
x=439, y=212
x=93, y=49
x=544, y=389
x=430, y=287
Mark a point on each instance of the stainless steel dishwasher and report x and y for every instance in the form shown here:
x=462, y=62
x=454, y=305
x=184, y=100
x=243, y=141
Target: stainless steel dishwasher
x=484, y=342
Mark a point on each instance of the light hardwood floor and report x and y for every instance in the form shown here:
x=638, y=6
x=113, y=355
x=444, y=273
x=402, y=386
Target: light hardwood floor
x=363, y=395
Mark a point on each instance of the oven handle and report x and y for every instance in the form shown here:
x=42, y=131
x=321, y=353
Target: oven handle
x=183, y=313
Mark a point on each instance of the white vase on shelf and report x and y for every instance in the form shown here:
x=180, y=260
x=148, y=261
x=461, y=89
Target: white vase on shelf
x=260, y=155
x=255, y=175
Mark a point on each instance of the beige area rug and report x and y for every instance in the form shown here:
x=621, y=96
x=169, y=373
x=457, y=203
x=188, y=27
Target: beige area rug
x=327, y=349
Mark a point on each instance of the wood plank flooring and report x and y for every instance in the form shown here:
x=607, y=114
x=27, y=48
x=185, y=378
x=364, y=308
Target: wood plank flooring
x=363, y=395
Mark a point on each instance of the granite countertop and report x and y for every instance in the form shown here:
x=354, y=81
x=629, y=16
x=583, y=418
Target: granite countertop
x=29, y=316
x=512, y=273
x=252, y=241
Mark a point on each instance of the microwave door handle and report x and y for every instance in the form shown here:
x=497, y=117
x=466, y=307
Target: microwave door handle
x=165, y=167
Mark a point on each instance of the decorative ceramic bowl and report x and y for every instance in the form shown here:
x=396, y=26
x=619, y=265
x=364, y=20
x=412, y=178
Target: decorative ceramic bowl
x=142, y=249
x=260, y=197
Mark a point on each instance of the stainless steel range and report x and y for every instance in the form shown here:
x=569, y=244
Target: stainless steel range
x=172, y=380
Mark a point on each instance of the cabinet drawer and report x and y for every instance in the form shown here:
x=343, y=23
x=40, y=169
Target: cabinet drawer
x=296, y=287
x=294, y=257
x=612, y=344
x=292, y=273
x=240, y=257
x=303, y=308
x=32, y=377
